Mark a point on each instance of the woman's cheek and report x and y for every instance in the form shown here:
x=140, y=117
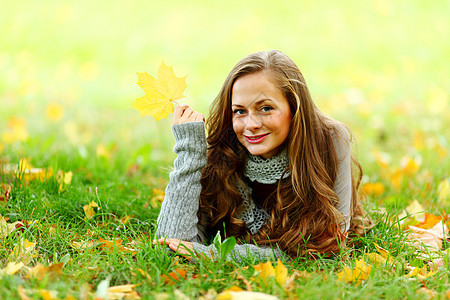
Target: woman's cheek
x=237, y=126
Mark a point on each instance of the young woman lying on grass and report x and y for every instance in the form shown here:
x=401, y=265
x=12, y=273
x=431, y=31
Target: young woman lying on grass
x=274, y=171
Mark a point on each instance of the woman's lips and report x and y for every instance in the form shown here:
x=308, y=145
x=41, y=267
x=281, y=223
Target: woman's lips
x=255, y=138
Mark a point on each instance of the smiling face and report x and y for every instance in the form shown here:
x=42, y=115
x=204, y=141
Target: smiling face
x=261, y=114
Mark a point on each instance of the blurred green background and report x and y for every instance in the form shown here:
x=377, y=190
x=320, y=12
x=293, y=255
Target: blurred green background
x=68, y=78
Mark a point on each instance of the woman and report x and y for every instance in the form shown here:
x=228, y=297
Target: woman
x=274, y=171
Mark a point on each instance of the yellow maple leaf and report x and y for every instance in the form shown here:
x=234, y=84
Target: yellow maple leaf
x=159, y=93
x=357, y=275
x=265, y=270
x=23, y=251
x=281, y=273
x=375, y=258
x=11, y=268
x=63, y=179
x=89, y=209
x=421, y=273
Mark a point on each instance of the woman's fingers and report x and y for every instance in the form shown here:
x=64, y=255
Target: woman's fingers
x=176, y=245
x=183, y=113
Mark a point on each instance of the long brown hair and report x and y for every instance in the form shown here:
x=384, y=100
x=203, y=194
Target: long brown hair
x=304, y=217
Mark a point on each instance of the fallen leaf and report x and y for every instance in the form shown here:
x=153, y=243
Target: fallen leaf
x=159, y=92
x=125, y=291
x=429, y=222
x=265, y=270
x=23, y=293
x=116, y=244
x=24, y=251
x=5, y=191
x=421, y=273
x=63, y=179
x=281, y=273
x=429, y=294
x=416, y=210
x=437, y=263
x=174, y=276
x=39, y=271
x=48, y=295
x=374, y=189
x=410, y=165
x=429, y=237
x=145, y=274
x=12, y=268
x=375, y=258
x=357, y=275
x=244, y=295
x=89, y=209
x=83, y=245
x=382, y=251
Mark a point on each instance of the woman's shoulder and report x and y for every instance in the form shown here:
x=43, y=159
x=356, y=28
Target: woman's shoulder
x=342, y=138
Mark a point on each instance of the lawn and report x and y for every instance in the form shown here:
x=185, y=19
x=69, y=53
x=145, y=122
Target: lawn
x=82, y=177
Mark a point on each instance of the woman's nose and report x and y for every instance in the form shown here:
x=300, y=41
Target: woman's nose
x=252, y=122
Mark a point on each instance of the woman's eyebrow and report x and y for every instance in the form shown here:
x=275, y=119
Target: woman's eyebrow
x=257, y=102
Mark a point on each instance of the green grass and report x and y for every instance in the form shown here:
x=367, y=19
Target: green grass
x=380, y=67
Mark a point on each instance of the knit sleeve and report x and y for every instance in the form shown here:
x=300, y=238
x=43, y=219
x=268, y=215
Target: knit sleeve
x=343, y=183
x=178, y=215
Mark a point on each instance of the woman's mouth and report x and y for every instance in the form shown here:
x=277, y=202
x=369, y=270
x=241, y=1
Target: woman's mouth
x=256, y=138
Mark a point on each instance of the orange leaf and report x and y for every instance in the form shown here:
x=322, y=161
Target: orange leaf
x=116, y=244
x=159, y=92
x=375, y=189
x=174, y=276
x=429, y=222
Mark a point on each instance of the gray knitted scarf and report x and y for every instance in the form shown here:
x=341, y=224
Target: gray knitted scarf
x=266, y=171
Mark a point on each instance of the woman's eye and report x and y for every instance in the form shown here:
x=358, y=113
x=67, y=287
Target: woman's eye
x=266, y=108
x=238, y=111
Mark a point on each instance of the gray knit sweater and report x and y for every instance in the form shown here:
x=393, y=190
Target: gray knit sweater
x=178, y=215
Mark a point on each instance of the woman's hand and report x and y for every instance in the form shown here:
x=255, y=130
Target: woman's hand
x=179, y=246
x=183, y=113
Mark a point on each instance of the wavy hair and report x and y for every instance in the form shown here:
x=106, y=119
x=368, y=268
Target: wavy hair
x=303, y=218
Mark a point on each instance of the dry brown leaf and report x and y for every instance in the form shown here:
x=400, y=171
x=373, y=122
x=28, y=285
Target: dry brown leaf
x=39, y=271
x=430, y=238
x=5, y=191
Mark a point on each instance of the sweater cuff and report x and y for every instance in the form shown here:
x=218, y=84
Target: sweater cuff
x=189, y=131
